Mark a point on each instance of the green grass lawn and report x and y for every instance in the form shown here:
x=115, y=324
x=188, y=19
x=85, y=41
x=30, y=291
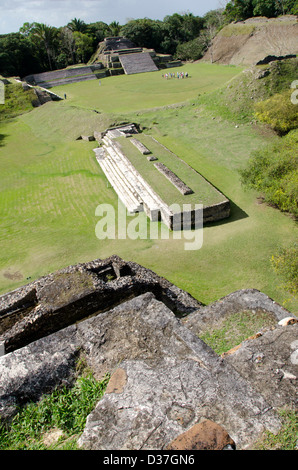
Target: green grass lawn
x=51, y=185
x=123, y=93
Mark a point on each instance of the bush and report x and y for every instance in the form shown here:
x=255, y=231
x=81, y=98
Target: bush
x=273, y=171
x=279, y=112
x=17, y=101
x=285, y=264
x=192, y=50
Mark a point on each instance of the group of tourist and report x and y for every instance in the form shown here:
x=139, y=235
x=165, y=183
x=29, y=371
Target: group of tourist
x=173, y=75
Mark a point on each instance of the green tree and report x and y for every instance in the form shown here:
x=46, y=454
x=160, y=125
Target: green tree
x=214, y=19
x=83, y=46
x=273, y=171
x=178, y=29
x=286, y=7
x=67, y=49
x=243, y=9
x=47, y=36
x=26, y=29
x=18, y=55
x=144, y=33
x=115, y=28
x=77, y=25
x=239, y=10
x=267, y=8
x=98, y=31
x=193, y=50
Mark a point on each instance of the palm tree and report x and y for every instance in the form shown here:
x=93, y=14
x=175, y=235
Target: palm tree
x=47, y=34
x=115, y=28
x=77, y=25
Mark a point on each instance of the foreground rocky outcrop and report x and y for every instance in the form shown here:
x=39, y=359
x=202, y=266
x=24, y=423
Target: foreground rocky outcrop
x=71, y=294
x=168, y=389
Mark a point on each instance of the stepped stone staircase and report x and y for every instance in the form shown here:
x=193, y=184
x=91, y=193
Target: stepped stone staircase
x=137, y=63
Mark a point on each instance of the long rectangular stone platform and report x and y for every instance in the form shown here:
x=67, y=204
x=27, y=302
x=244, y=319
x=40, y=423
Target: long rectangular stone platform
x=63, y=76
x=136, y=193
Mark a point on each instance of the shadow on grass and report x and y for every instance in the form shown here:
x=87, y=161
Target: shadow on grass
x=236, y=214
x=2, y=137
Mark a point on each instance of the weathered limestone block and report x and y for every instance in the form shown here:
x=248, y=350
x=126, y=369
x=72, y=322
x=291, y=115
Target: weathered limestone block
x=166, y=382
x=30, y=372
x=242, y=300
x=140, y=146
x=174, y=179
x=76, y=292
x=88, y=138
x=169, y=381
x=270, y=363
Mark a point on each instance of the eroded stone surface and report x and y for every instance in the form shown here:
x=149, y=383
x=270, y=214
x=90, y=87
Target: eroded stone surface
x=173, y=380
x=166, y=379
x=270, y=363
x=30, y=372
x=236, y=302
x=60, y=299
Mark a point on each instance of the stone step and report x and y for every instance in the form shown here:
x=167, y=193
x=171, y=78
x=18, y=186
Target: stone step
x=152, y=203
x=124, y=195
x=137, y=63
x=120, y=187
x=124, y=175
x=123, y=172
x=140, y=146
x=132, y=203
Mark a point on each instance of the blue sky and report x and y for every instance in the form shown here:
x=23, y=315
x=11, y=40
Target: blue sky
x=14, y=13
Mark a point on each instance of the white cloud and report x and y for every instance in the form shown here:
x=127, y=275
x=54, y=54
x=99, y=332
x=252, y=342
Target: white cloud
x=14, y=13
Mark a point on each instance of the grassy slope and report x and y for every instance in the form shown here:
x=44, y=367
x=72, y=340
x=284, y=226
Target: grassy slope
x=51, y=185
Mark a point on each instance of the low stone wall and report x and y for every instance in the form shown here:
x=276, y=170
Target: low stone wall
x=217, y=212
x=68, y=80
x=187, y=220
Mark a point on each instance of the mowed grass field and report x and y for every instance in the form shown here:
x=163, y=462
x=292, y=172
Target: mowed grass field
x=126, y=93
x=51, y=185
